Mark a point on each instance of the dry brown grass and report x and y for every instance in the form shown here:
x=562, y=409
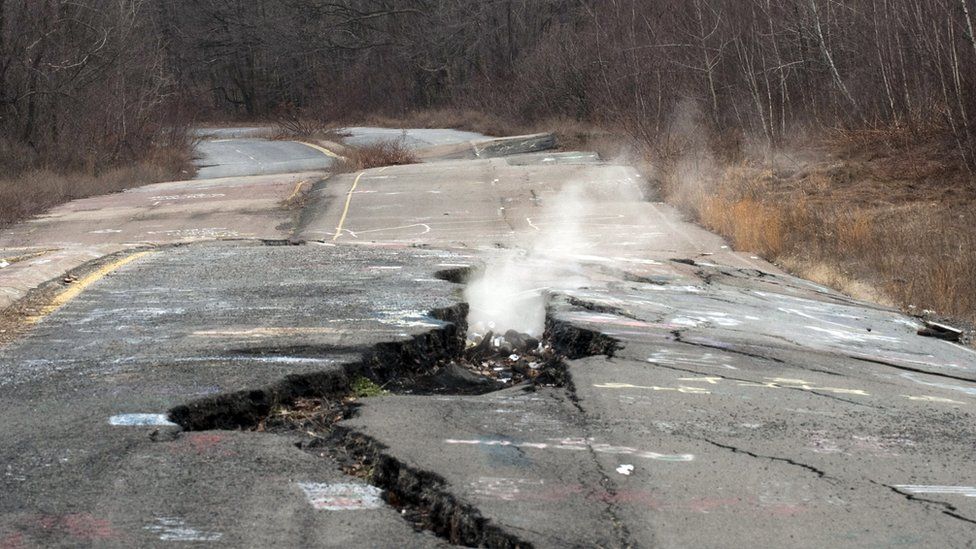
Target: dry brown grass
x=34, y=190
x=304, y=128
x=846, y=219
x=375, y=155
x=749, y=224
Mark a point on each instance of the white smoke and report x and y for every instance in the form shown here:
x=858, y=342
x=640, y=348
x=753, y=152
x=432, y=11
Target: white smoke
x=512, y=292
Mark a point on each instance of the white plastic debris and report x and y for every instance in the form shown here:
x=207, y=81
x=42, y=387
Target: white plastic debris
x=513, y=357
x=625, y=469
x=534, y=365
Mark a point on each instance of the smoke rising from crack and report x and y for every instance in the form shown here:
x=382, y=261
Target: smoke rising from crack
x=512, y=292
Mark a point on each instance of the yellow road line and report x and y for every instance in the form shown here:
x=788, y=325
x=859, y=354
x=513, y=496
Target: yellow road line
x=345, y=210
x=75, y=289
x=295, y=192
x=321, y=149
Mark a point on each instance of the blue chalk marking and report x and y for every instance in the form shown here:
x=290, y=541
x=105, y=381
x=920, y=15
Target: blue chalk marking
x=130, y=420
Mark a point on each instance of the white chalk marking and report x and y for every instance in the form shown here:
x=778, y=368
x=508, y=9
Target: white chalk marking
x=425, y=226
x=971, y=391
x=967, y=491
x=962, y=348
x=929, y=398
x=575, y=444
x=507, y=489
x=186, y=196
x=687, y=322
x=342, y=497
x=175, y=529
x=135, y=420
x=843, y=335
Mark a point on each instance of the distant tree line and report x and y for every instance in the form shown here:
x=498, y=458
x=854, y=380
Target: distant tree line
x=103, y=73
x=83, y=84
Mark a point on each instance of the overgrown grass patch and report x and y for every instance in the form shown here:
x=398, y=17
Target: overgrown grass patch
x=376, y=155
x=363, y=387
x=32, y=190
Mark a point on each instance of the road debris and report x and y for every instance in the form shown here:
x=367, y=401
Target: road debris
x=511, y=358
x=940, y=331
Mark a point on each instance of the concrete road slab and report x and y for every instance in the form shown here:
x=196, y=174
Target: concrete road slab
x=66, y=237
x=236, y=157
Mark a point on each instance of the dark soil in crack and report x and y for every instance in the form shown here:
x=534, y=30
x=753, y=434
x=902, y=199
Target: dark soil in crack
x=437, y=362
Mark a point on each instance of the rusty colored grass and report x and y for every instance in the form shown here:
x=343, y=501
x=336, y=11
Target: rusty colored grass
x=838, y=223
x=748, y=223
x=376, y=155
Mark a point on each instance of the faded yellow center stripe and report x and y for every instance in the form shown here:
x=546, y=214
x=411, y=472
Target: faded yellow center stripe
x=79, y=286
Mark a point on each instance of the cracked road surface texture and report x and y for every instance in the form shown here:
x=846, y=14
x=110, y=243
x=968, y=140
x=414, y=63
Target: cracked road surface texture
x=736, y=405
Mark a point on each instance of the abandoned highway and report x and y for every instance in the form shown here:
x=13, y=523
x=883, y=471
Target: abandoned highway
x=179, y=364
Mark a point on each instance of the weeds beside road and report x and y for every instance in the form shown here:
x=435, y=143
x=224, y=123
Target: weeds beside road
x=31, y=190
x=375, y=155
x=883, y=216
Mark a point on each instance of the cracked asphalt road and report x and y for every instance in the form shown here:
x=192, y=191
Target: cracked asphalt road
x=739, y=405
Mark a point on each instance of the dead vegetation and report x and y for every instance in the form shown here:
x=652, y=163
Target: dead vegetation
x=375, y=155
x=885, y=216
x=302, y=127
x=28, y=191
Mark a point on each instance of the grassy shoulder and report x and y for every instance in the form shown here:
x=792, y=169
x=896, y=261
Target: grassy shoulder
x=30, y=190
x=886, y=216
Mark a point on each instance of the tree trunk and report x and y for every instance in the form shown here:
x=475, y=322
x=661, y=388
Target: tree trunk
x=829, y=58
x=969, y=25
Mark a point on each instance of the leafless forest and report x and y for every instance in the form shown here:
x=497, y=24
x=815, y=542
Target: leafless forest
x=95, y=80
x=91, y=86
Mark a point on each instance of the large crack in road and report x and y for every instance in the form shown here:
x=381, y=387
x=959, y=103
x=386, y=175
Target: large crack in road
x=421, y=496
